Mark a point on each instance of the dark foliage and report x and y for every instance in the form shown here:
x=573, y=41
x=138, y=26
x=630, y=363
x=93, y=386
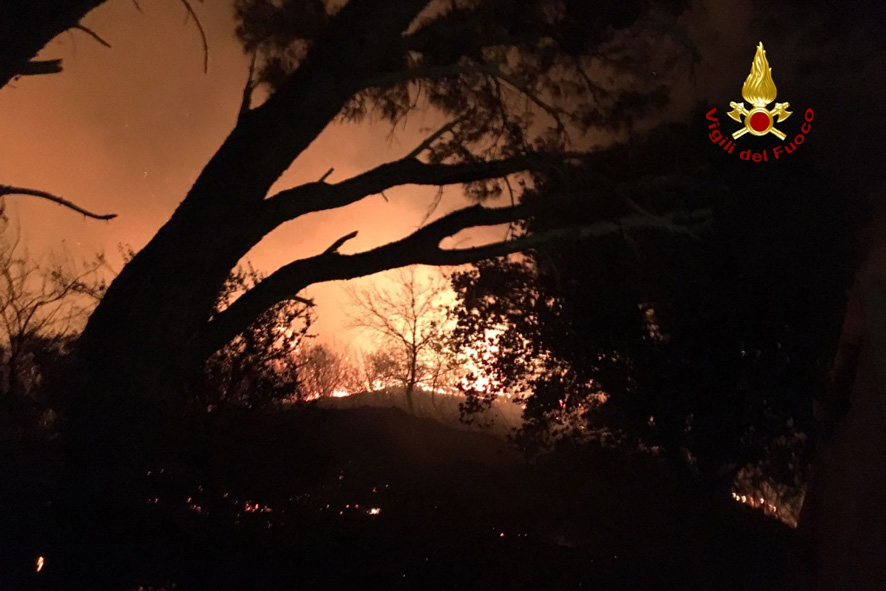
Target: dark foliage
x=258, y=367
x=509, y=76
x=43, y=305
x=709, y=346
x=455, y=511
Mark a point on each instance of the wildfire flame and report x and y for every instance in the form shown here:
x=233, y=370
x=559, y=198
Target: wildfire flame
x=759, y=89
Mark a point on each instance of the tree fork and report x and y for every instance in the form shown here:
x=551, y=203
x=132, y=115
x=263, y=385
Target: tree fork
x=139, y=345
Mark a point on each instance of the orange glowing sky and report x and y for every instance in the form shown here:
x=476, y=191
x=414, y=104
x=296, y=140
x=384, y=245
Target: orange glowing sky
x=128, y=129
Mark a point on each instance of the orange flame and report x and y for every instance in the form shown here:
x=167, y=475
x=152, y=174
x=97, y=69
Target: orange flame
x=759, y=89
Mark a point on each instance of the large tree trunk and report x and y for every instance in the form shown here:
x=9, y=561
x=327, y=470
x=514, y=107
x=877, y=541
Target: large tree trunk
x=151, y=332
x=129, y=410
x=144, y=340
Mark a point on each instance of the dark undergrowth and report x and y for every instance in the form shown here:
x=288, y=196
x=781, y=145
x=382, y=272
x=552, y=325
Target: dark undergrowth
x=372, y=498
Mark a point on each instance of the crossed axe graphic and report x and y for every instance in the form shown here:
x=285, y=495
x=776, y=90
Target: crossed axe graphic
x=739, y=111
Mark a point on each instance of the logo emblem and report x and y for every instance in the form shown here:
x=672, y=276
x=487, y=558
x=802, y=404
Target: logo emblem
x=759, y=90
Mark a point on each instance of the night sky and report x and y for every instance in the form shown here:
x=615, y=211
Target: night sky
x=127, y=129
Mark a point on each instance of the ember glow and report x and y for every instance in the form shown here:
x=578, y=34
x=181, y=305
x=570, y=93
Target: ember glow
x=473, y=358
x=757, y=503
x=781, y=509
x=41, y=561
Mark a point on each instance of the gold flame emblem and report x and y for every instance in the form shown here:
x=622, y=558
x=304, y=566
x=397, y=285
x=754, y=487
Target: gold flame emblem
x=759, y=90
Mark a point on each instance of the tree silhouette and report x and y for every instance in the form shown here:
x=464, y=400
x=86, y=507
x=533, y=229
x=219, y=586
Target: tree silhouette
x=507, y=112
x=258, y=367
x=516, y=85
x=323, y=370
x=709, y=346
x=43, y=306
x=408, y=323
x=26, y=27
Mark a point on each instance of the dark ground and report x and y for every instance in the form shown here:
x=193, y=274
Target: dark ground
x=456, y=510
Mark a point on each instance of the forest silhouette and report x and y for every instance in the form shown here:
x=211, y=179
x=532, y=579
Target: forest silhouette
x=660, y=314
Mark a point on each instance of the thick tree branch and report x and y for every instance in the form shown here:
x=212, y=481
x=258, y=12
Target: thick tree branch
x=39, y=67
x=8, y=190
x=312, y=197
x=420, y=247
x=330, y=265
x=273, y=134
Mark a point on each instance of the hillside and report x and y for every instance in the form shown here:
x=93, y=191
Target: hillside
x=372, y=498
x=500, y=419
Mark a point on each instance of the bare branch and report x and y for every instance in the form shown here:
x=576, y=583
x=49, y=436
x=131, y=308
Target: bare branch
x=8, y=190
x=312, y=197
x=193, y=14
x=40, y=303
x=27, y=28
x=432, y=138
x=277, y=131
x=338, y=243
x=306, y=301
x=407, y=322
x=39, y=67
x=419, y=247
x=422, y=247
x=92, y=34
x=438, y=197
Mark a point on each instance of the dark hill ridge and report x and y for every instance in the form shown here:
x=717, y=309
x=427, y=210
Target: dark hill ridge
x=462, y=509
x=500, y=419
x=372, y=498
x=313, y=442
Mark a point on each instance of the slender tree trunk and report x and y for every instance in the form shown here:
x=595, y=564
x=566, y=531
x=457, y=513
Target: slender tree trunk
x=410, y=387
x=410, y=404
x=434, y=387
x=128, y=412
